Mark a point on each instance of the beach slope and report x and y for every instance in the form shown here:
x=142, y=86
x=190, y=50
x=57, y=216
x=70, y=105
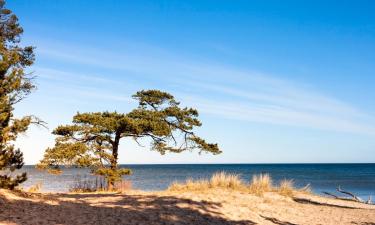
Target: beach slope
x=214, y=207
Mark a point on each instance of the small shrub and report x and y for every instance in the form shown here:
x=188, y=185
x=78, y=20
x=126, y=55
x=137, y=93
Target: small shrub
x=83, y=185
x=99, y=184
x=260, y=184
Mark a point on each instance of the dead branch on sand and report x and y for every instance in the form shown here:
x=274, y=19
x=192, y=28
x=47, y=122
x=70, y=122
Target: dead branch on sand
x=352, y=197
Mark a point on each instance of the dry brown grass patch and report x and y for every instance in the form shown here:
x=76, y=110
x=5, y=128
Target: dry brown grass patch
x=286, y=188
x=189, y=185
x=35, y=188
x=260, y=184
x=226, y=180
x=218, y=180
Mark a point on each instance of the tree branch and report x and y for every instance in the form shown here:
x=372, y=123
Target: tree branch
x=353, y=197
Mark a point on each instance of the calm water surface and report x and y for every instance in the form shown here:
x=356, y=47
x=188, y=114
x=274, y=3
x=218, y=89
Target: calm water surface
x=358, y=178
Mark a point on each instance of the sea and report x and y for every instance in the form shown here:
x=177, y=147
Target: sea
x=356, y=178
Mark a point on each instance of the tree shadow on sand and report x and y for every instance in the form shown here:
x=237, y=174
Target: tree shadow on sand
x=113, y=209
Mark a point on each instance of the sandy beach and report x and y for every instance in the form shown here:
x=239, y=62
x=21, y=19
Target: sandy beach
x=187, y=112
x=216, y=207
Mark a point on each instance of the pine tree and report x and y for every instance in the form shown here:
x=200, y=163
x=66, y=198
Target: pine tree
x=93, y=139
x=15, y=85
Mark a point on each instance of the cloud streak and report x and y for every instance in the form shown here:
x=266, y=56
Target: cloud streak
x=223, y=91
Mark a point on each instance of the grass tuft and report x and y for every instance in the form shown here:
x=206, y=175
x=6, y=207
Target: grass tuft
x=189, y=185
x=260, y=184
x=35, y=188
x=226, y=180
x=218, y=180
x=286, y=188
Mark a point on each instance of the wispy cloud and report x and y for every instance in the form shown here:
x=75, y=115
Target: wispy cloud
x=224, y=91
x=267, y=113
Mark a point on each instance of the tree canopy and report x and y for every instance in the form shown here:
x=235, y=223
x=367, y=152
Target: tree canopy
x=93, y=139
x=15, y=84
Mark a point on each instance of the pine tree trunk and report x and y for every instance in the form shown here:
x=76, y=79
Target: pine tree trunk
x=111, y=182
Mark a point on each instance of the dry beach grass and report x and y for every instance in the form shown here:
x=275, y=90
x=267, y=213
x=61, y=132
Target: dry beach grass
x=259, y=185
x=222, y=200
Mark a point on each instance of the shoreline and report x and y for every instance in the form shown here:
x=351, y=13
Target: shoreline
x=159, y=177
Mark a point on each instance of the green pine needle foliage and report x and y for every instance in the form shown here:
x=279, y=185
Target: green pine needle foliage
x=15, y=84
x=93, y=139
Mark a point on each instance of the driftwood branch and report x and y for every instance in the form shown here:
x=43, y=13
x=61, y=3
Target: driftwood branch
x=352, y=197
x=332, y=195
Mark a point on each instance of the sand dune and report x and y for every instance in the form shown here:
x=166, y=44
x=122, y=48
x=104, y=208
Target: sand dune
x=214, y=207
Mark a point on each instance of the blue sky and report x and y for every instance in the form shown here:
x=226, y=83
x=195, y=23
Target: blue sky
x=274, y=81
